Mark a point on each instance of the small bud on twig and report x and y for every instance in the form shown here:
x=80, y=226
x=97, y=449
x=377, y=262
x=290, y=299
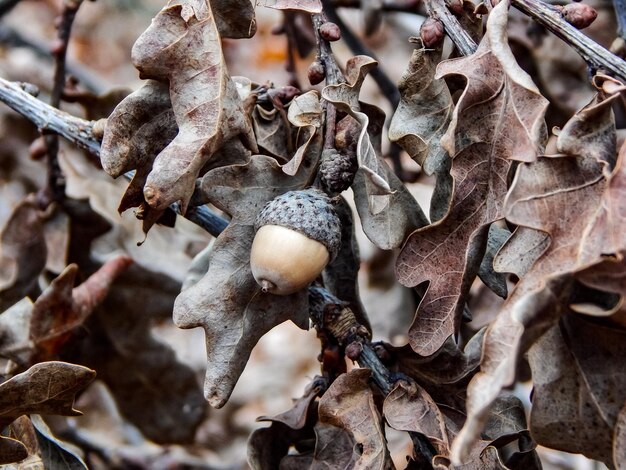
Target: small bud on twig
x=330, y=31
x=579, y=15
x=431, y=32
x=316, y=72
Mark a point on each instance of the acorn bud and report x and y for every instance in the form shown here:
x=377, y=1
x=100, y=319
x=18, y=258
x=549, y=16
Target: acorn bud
x=579, y=15
x=330, y=31
x=431, y=32
x=337, y=170
x=316, y=72
x=455, y=6
x=297, y=235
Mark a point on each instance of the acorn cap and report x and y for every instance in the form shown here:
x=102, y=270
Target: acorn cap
x=309, y=212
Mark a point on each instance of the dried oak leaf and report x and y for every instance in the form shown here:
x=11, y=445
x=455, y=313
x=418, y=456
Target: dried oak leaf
x=61, y=308
x=579, y=388
x=139, y=128
x=43, y=449
x=272, y=131
x=492, y=278
x=234, y=18
x=310, y=6
x=47, y=388
x=182, y=46
x=23, y=251
x=498, y=119
x=445, y=374
x=408, y=407
x=421, y=120
x=296, y=416
x=345, y=97
x=227, y=302
x=305, y=113
x=541, y=199
x=389, y=227
x=349, y=404
x=268, y=447
x=154, y=389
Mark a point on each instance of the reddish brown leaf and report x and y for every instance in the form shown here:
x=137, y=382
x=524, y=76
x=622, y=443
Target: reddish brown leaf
x=61, y=308
x=498, y=119
x=349, y=404
x=46, y=388
x=541, y=199
x=182, y=46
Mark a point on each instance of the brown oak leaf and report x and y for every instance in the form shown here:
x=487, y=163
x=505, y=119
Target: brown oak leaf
x=498, y=119
x=227, y=302
x=541, y=199
x=421, y=120
x=579, y=388
x=182, y=46
x=46, y=388
x=23, y=251
x=349, y=404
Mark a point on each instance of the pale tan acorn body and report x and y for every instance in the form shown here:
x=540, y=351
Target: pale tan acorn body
x=284, y=261
x=297, y=234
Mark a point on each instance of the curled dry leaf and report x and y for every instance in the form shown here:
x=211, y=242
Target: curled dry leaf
x=182, y=46
x=47, y=388
x=445, y=374
x=22, y=251
x=541, y=199
x=234, y=18
x=580, y=388
x=61, y=308
x=305, y=113
x=498, y=119
x=345, y=97
x=389, y=227
x=408, y=407
x=421, y=120
x=349, y=405
x=139, y=128
x=227, y=302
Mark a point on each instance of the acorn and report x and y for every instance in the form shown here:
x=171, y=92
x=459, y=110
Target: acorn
x=297, y=235
x=337, y=170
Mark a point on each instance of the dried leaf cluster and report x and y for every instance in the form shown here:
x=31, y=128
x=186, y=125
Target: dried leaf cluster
x=526, y=237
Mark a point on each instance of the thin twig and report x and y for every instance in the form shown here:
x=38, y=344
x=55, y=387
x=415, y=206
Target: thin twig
x=596, y=56
x=334, y=76
x=49, y=119
x=462, y=40
x=56, y=180
x=334, y=318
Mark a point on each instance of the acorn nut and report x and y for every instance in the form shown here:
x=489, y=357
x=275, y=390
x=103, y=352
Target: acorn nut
x=297, y=235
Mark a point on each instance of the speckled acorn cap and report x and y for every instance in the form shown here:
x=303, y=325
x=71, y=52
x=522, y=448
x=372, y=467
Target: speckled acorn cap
x=309, y=212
